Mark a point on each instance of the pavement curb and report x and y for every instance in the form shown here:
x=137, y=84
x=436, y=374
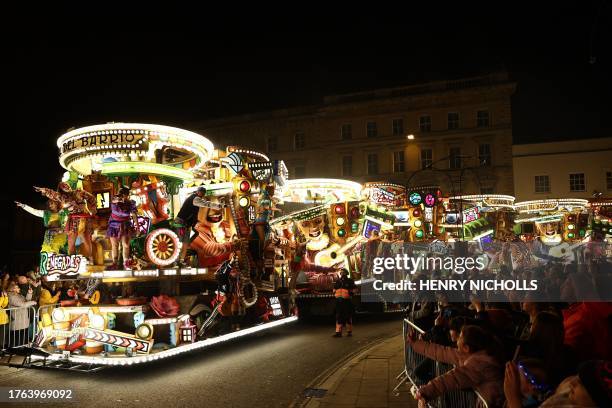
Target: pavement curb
x=331, y=378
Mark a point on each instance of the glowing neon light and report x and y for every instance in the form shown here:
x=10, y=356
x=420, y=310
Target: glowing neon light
x=147, y=168
x=173, y=240
x=171, y=352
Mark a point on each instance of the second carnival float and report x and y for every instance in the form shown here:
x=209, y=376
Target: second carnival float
x=168, y=244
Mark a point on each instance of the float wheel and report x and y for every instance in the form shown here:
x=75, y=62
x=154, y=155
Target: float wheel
x=163, y=247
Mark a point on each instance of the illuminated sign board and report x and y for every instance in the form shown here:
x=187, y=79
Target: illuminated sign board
x=144, y=223
x=277, y=309
x=56, y=266
x=103, y=200
x=382, y=196
x=370, y=226
x=106, y=142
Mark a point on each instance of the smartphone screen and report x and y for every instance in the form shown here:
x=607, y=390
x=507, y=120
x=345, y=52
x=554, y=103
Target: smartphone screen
x=516, y=353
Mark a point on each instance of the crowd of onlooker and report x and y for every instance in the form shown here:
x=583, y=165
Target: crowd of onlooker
x=30, y=289
x=516, y=351
x=24, y=290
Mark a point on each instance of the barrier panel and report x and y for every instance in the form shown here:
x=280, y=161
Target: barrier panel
x=413, y=361
x=19, y=327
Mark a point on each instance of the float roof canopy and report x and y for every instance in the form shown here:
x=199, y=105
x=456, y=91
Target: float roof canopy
x=321, y=190
x=96, y=147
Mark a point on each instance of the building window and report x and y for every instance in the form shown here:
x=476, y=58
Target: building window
x=372, y=163
x=272, y=143
x=346, y=131
x=347, y=165
x=425, y=123
x=542, y=184
x=609, y=180
x=398, y=127
x=299, y=172
x=482, y=118
x=398, y=162
x=299, y=140
x=426, y=158
x=453, y=120
x=372, y=129
x=487, y=190
x=576, y=181
x=454, y=158
x=484, y=154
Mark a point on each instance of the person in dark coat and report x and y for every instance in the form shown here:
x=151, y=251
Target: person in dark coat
x=343, y=292
x=187, y=217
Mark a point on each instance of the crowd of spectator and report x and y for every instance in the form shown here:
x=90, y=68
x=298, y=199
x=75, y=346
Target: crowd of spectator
x=518, y=351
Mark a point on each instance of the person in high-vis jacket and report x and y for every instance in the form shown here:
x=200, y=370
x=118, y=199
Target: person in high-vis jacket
x=343, y=292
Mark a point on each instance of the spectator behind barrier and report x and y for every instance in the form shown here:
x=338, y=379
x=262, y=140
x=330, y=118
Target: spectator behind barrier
x=20, y=319
x=545, y=342
x=526, y=383
x=592, y=387
x=477, y=364
x=587, y=330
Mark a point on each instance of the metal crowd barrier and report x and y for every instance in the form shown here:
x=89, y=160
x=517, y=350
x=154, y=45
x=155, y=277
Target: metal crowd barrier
x=19, y=327
x=412, y=360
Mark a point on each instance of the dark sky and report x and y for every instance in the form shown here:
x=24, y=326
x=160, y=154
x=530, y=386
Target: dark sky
x=71, y=67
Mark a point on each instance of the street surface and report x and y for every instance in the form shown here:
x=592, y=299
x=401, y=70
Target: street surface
x=269, y=369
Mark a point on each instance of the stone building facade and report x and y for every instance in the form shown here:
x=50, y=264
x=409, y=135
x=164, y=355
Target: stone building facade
x=456, y=134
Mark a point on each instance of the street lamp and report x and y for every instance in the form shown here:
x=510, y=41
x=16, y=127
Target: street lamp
x=410, y=137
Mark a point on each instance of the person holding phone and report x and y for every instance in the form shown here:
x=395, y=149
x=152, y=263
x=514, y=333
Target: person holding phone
x=478, y=364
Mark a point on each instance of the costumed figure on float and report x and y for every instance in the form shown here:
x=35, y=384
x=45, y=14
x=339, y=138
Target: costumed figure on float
x=81, y=206
x=54, y=219
x=120, y=226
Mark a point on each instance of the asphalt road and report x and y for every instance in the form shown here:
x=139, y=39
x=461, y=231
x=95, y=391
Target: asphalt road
x=269, y=369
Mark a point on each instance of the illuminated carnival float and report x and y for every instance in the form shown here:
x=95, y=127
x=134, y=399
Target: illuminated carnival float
x=329, y=231
x=163, y=244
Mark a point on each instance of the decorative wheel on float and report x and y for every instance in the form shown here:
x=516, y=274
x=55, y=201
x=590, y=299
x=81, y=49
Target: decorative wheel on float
x=162, y=246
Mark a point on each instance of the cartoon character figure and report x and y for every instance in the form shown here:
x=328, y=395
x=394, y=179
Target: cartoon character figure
x=549, y=232
x=213, y=243
x=154, y=200
x=311, y=226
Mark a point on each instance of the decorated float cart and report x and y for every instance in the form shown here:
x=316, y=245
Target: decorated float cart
x=321, y=219
x=170, y=288
x=329, y=222
x=553, y=229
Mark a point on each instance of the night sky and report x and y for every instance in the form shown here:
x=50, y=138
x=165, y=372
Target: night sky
x=75, y=68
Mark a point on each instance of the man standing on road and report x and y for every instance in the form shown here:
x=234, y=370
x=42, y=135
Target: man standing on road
x=343, y=292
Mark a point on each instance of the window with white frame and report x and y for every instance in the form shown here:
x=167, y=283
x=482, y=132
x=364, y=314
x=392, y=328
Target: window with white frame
x=372, y=129
x=372, y=163
x=453, y=120
x=299, y=140
x=398, y=127
x=398, y=162
x=482, y=118
x=576, y=182
x=609, y=180
x=425, y=123
x=346, y=131
x=272, y=143
x=347, y=165
x=454, y=158
x=542, y=184
x=484, y=154
x=426, y=158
